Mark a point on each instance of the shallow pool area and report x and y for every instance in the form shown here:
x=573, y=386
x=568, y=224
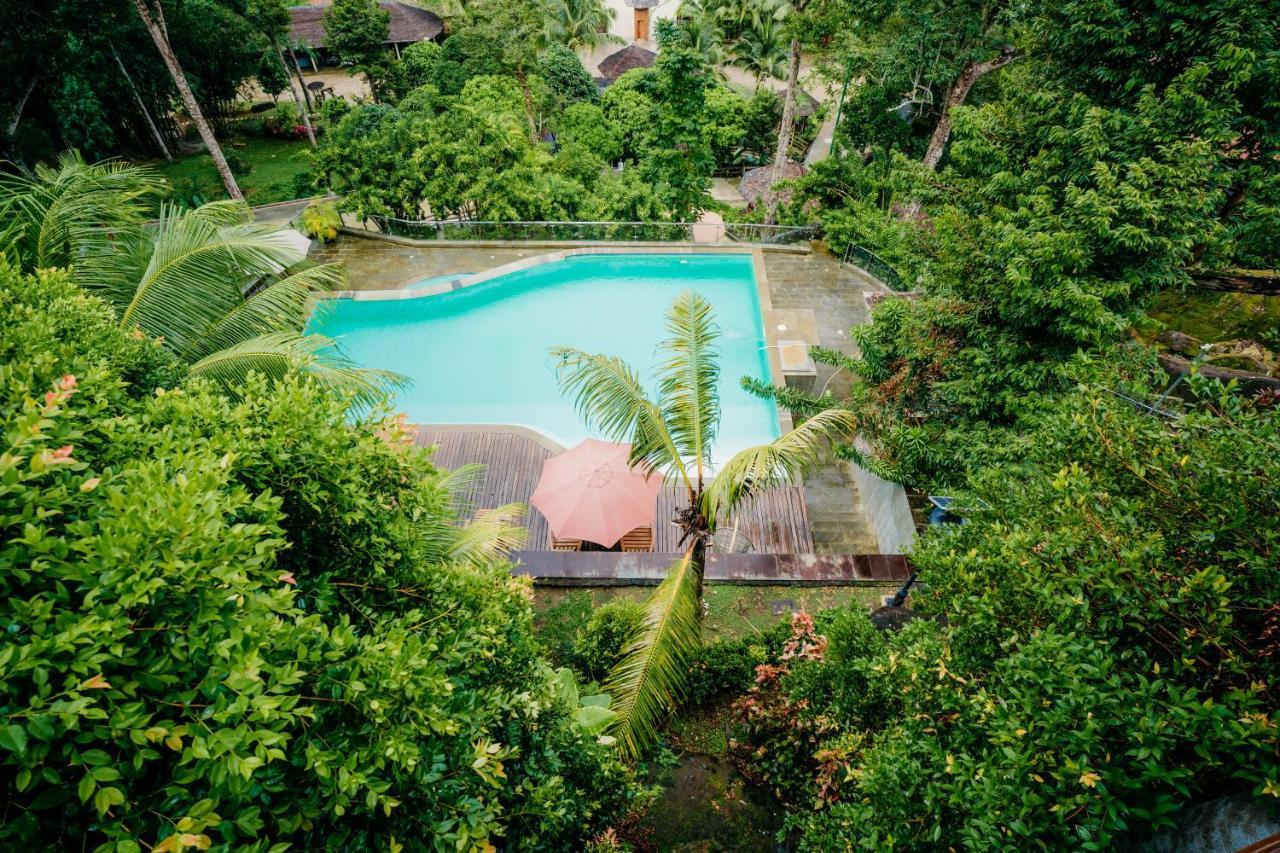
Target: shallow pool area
x=479, y=355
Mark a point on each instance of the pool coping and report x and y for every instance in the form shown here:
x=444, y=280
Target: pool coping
x=767, y=318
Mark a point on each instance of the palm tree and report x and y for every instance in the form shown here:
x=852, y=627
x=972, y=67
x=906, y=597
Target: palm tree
x=673, y=432
x=761, y=51
x=579, y=24
x=151, y=12
x=223, y=294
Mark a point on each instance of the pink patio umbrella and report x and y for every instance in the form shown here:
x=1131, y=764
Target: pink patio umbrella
x=589, y=492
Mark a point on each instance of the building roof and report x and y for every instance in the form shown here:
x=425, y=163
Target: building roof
x=408, y=23
x=756, y=182
x=620, y=62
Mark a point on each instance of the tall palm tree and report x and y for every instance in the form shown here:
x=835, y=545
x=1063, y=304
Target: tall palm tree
x=579, y=24
x=151, y=12
x=224, y=294
x=673, y=433
x=761, y=51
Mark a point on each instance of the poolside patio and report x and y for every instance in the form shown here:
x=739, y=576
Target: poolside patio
x=776, y=523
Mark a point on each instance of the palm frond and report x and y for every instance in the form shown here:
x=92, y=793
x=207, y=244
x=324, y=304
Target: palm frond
x=187, y=274
x=649, y=681
x=457, y=482
x=278, y=353
x=609, y=397
x=688, y=376
x=765, y=466
x=280, y=304
x=53, y=208
x=491, y=537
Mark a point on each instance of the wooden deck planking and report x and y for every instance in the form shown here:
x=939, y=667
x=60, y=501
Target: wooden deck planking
x=775, y=523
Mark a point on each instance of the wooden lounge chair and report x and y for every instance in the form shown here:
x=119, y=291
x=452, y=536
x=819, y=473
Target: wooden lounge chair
x=639, y=540
x=558, y=544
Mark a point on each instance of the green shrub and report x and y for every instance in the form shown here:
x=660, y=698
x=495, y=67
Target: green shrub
x=242, y=622
x=601, y=642
x=321, y=220
x=563, y=72
x=1102, y=663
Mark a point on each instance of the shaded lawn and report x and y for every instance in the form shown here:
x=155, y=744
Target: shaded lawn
x=733, y=610
x=274, y=168
x=1210, y=316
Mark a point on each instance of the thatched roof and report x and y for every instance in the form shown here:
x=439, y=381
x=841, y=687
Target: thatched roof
x=620, y=62
x=408, y=24
x=755, y=182
x=806, y=105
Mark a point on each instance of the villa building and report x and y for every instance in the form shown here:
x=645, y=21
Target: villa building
x=636, y=20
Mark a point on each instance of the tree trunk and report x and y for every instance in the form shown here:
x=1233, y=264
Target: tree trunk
x=11, y=125
x=302, y=83
x=293, y=90
x=956, y=96
x=528, y=104
x=1253, y=282
x=784, y=134
x=142, y=107
x=154, y=22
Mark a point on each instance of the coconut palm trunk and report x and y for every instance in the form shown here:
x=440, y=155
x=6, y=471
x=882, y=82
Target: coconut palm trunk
x=673, y=432
x=142, y=107
x=293, y=90
x=152, y=14
x=785, y=132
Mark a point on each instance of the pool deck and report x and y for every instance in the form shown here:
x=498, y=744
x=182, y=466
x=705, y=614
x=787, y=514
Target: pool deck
x=775, y=523
x=809, y=292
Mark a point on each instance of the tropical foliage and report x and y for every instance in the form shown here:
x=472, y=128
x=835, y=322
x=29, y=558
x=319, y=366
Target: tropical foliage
x=459, y=145
x=579, y=24
x=1099, y=653
x=254, y=622
x=224, y=295
x=672, y=433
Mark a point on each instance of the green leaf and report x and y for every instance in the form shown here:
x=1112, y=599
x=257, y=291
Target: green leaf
x=593, y=719
x=14, y=739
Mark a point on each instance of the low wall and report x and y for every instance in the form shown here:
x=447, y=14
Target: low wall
x=611, y=568
x=888, y=511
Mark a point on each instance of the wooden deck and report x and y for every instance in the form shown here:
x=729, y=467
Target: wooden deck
x=775, y=523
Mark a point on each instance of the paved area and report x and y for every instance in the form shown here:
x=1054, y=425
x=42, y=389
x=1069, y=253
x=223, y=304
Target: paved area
x=380, y=265
x=820, y=301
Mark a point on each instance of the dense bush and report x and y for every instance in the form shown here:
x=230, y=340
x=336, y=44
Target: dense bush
x=563, y=72
x=1102, y=661
x=321, y=221
x=253, y=622
x=601, y=642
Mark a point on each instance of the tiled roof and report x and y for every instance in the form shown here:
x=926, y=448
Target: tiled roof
x=408, y=23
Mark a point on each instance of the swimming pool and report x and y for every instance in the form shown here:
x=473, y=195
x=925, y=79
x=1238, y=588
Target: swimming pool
x=479, y=355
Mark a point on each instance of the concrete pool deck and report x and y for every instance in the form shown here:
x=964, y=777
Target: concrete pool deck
x=809, y=293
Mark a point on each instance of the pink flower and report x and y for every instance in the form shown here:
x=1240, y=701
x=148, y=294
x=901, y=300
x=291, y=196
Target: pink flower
x=67, y=383
x=288, y=578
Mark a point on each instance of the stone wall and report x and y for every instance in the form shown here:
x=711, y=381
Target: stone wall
x=886, y=507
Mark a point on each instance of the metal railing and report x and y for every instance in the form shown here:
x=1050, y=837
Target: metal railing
x=475, y=229
x=860, y=256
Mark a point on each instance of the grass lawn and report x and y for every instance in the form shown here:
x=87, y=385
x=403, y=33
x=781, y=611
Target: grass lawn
x=1211, y=317
x=733, y=610
x=274, y=167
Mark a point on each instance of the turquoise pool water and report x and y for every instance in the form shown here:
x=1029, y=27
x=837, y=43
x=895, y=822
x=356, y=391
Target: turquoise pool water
x=479, y=354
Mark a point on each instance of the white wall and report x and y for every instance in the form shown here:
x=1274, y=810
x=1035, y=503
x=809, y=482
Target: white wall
x=886, y=507
x=624, y=26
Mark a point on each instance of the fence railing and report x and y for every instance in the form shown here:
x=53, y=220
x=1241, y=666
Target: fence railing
x=860, y=256
x=702, y=232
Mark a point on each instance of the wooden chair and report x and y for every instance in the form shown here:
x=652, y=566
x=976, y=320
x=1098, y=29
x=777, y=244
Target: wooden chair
x=558, y=544
x=639, y=540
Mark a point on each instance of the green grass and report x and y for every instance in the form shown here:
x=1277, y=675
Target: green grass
x=1213, y=317
x=733, y=611
x=274, y=167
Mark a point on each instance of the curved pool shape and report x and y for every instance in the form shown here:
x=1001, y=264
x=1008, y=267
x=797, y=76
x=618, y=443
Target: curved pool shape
x=479, y=355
